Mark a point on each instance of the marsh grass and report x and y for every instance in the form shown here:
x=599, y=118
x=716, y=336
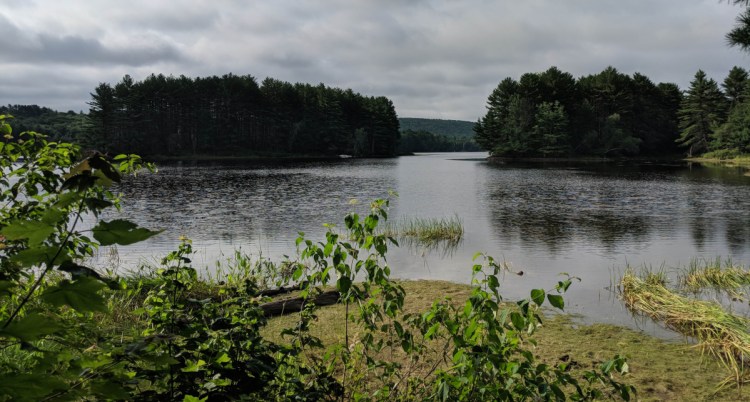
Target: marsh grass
x=723, y=277
x=427, y=231
x=719, y=333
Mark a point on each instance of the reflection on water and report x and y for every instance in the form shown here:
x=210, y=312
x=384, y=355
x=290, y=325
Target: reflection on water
x=616, y=207
x=589, y=220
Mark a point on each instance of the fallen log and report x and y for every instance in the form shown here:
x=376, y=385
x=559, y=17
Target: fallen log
x=278, y=291
x=294, y=305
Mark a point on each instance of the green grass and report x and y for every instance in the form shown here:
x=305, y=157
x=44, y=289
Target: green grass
x=723, y=277
x=427, y=231
x=723, y=157
x=660, y=370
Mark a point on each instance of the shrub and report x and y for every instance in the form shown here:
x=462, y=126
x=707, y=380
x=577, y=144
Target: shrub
x=193, y=349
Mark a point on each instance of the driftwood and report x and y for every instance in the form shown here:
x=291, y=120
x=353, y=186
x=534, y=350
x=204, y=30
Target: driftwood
x=278, y=291
x=294, y=305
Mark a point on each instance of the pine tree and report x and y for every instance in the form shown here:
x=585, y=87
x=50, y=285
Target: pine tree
x=702, y=111
x=552, y=127
x=734, y=86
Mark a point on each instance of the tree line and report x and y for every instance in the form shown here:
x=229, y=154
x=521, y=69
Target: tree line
x=233, y=115
x=426, y=141
x=552, y=114
x=60, y=126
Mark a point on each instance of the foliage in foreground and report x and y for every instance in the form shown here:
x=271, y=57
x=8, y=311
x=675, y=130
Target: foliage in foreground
x=209, y=348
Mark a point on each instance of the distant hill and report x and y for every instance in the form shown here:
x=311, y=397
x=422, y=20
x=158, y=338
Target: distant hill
x=448, y=128
x=59, y=126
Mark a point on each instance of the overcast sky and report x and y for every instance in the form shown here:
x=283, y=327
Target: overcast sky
x=434, y=59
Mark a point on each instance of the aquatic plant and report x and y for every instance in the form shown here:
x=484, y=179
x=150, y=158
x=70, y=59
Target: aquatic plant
x=718, y=332
x=427, y=231
x=725, y=277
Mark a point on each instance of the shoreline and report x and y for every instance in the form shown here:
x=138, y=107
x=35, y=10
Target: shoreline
x=660, y=369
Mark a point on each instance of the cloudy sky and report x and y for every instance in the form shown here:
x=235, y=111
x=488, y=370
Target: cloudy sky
x=435, y=59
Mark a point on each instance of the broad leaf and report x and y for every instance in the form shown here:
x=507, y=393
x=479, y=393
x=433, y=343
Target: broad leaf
x=121, y=232
x=39, y=256
x=31, y=327
x=518, y=321
x=537, y=295
x=29, y=387
x=35, y=231
x=109, y=390
x=343, y=285
x=556, y=301
x=82, y=295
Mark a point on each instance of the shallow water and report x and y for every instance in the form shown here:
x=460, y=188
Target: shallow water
x=589, y=220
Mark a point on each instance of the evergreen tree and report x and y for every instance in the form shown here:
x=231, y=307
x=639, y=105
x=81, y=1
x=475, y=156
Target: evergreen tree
x=734, y=85
x=102, y=118
x=233, y=115
x=702, y=110
x=740, y=35
x=734, y=135
x=552, y=127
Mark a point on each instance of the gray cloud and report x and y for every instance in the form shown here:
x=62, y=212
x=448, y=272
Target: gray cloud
x=44, y=48
x=434, y=58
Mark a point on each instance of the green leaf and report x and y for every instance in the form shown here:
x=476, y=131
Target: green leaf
x=193, y=367
x=556, y=301
x=121, y=232
x=52, y=216
x=223, y=359
x=35, y=231
x=537, y=295
x=6, y=288
x=493, y=282
x=343, y=285
x=31, y=327
x=190, y=398
x=97, y=204
x=39, y=256
x=98, y=162
x=109, y=390
x=29, y=387
x=518, y=321
x=5, y=129
x=82, y=295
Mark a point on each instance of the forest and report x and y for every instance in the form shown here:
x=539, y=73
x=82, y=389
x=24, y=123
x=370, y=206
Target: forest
x=233, y=115
x=436, y=135
x=610, y=114
x=61, y=126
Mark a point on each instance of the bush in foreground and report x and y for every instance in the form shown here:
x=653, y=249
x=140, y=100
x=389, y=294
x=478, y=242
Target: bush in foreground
x=177, y=346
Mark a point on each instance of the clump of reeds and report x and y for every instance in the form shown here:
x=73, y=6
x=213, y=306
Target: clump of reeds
x=718, y=332
x=427, y=231
x=711, y=274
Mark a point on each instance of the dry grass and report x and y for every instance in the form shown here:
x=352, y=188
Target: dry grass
x=719, y=333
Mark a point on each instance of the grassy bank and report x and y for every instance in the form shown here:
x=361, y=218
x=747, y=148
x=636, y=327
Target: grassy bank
x=660, y=370
x=723, y=158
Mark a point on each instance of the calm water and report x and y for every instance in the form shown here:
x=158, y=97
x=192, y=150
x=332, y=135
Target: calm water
x=587, y=220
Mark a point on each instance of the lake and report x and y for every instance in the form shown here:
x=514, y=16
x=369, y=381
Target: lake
x=589, y=220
